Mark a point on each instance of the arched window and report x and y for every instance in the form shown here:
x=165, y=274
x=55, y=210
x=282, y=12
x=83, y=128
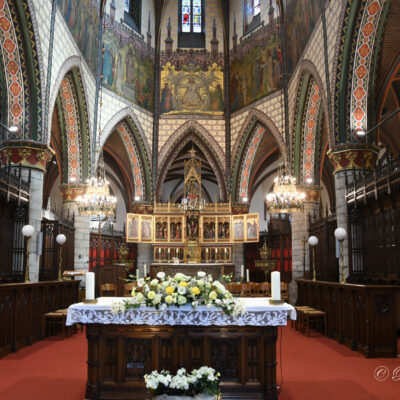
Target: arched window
x=132, y=13
x=251, y=15
x=191, y=24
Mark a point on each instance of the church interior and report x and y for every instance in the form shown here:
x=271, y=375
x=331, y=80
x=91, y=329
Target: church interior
x=256, y=141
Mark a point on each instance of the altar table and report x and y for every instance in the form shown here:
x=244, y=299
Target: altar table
x=123, y=348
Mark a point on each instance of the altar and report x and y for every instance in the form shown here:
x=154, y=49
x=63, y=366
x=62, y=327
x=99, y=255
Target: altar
x=216, y=270
x=122, y=348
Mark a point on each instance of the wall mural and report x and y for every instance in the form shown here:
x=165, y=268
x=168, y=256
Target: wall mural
x=82, y=18
x=301, y=17
x=128, y=67
x=257, y=63
x=191, y=89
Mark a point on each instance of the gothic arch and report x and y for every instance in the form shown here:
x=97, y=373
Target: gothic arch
x=71, y=63
x=180, y=138
x=251, y=133
x=72, y=114
x=132, y=135
x=125, y=113
x=21, y=68
x=180, y=133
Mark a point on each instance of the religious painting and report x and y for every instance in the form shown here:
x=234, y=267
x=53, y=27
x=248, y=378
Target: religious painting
x=192, y=227
x=146, y=228
x=208, y=228
x=161, y=229
x=175, y=229
x=224, y=228
x=192, y=90
x=132, y=231
x=238, y=228
x=252, y=227
x=256, y=64
x=301, y=17
x=82, y=18
x=128, y=67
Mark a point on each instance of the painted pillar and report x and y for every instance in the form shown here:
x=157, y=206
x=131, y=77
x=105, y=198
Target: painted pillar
x=33, y=158
x=346, y=160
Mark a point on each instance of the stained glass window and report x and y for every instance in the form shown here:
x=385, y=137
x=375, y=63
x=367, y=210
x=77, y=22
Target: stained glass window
x=251, y=14
x=186, y=15
x=197, y=16
x=127, y=5
x=191, y=16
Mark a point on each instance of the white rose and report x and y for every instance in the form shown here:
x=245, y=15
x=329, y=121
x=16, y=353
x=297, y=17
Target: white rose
x=181, y=290
x=140, y=282
x=201, y=274
x=161, y=275
x=182, y=300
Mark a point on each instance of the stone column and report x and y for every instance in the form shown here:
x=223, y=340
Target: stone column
x=300, y=234
x=33, y=158
x=347, y=159
x=69, y=194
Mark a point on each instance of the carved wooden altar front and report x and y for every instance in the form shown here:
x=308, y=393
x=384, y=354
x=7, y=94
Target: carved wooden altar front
x=120, y=355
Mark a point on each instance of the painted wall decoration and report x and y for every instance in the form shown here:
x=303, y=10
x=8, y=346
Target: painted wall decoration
x=192, y=89
x=256, y=64
x=82, y=18
x=300, y=20
x=128, y=66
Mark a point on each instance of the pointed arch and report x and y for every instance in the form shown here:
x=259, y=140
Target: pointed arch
x=22, y=69
x=72, y=112
x=253, y=129
x=126, y=113
x=191, y=132
x=136, y=144
x=180, y=133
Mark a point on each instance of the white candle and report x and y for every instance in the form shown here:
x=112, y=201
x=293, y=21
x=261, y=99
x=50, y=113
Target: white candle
x=159, y=250
x=169, y=250
x=276, y=285
x=145, y=270
x=242, y=271
x=137, y=273
x=207, y=250
x=247, y=275
x=89, y=285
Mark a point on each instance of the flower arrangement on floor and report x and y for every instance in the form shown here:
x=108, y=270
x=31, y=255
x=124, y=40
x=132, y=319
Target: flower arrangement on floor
x=179, y=290
x=202, y=383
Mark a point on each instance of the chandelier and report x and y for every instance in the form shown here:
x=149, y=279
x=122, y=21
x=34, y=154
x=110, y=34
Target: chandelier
x=285, y=198
x=97, y=199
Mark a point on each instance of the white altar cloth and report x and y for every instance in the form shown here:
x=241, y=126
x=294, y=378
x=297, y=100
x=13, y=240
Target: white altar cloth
x=258, y=312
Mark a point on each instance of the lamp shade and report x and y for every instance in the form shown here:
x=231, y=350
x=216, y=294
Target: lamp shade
x=60, y=239
x=27, y=230
x=340, y=234
x=15, y=129
x=312, y=241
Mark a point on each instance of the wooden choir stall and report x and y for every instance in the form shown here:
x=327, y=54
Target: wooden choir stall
x=122, y=348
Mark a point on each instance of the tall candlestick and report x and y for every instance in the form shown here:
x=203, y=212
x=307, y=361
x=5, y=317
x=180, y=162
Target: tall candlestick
x=276, y=285
x=89, y=285
x=242, y=271
x=247, y=275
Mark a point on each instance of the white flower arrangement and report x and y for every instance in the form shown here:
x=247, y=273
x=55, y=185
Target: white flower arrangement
x=165, y=291
x=202, y=381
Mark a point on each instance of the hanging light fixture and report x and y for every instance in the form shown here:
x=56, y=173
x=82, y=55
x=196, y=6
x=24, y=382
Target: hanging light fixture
x=97, y=199
x=285, y=198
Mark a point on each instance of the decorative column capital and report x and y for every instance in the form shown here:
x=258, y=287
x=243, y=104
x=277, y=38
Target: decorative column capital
x=70, y=192
x=25, y=153
x=353, y=156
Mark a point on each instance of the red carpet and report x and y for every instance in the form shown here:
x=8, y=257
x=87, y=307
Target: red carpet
x=313, y=368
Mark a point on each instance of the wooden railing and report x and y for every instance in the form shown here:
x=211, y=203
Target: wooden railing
x=22, y=307
x=363, y=317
